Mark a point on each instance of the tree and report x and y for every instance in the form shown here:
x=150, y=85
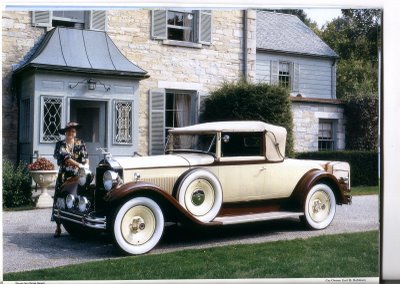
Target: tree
x=355, y=36
x=251, y=101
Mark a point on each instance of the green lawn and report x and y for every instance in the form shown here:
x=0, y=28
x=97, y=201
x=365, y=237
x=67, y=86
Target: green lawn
x=345, y=255
x=364, y=190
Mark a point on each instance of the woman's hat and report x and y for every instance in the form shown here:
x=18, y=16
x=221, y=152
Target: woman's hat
x=68, y=126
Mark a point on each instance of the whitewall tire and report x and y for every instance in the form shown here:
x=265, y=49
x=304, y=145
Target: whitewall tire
x=138, y=225
x=200, y=193
x=319, y=207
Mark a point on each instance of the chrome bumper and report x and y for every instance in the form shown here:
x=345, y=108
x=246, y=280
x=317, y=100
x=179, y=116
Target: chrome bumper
x=84, y=220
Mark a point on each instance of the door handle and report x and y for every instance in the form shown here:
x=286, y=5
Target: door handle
x=263, y=168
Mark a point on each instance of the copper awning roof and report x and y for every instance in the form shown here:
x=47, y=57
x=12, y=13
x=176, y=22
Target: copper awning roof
x=88, y=51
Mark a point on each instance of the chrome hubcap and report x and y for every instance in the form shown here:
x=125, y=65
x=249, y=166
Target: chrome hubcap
x=138, y=225
x=319, y=206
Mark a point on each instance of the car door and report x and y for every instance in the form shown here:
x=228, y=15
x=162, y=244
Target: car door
x=242, y=166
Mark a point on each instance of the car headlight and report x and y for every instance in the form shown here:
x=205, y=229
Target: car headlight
x=83, y=203
x=110, y=178
x=69, y=201
x=84, y=176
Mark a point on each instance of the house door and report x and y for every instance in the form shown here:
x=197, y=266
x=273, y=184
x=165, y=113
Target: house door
x=91, y=115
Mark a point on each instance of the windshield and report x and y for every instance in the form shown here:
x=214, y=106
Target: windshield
x=204, y=143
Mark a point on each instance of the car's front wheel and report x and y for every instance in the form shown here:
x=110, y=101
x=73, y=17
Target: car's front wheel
x=319, y=207
x=138, y=225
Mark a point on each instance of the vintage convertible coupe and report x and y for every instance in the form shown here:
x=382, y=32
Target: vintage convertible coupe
x=212, y=174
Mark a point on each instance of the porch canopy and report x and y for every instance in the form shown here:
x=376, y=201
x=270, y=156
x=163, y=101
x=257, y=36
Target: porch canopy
x=86, y=51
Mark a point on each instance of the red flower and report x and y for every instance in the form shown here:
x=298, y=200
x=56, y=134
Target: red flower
x=41, y=164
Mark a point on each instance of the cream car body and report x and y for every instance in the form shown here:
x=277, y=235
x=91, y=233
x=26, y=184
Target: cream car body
x=212, y=174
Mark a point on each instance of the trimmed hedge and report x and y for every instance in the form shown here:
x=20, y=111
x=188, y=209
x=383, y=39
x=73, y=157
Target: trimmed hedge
x=363, y=164
x=251, y=101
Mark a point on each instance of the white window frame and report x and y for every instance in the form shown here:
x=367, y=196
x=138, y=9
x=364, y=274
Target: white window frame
x=332, y=140
x=287, y=84
x=185, y=28
x=55, y=137
x=115, y=124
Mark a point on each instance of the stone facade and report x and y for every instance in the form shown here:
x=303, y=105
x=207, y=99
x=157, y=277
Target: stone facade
x=174, y=67
x=169, y=66
x=18, y=39
x=306, y=118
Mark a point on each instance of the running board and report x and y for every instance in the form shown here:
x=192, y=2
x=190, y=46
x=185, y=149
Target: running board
x=229, y=220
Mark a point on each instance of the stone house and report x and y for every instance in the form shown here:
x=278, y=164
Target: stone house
x=289, y=53
x=130, y=75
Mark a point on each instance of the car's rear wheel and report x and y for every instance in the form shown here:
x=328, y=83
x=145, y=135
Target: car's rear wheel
x=138, y=225
x=201, y=194
x=319, y=207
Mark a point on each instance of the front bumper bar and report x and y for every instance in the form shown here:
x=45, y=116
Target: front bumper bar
x=85, y=220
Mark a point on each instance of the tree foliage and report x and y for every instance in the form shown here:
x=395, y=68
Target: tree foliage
x=251, y=101
x=355, y=36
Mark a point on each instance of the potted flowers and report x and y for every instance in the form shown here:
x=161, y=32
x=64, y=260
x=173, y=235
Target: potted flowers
x=44, y=174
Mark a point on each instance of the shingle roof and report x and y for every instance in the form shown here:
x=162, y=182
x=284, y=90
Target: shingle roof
x=83, y=51
x=287, y=33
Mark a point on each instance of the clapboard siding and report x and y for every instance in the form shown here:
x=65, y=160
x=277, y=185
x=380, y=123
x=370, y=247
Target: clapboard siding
x=315, y=75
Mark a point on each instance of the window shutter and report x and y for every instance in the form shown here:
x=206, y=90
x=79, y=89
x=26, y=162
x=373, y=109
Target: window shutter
x=97, y=20
x=156, y=121
x=201, y=97
x=295, y=77
x=42, y=18
x=159, y=24
x=274, y=72
x=205, y=27
x=333, y=83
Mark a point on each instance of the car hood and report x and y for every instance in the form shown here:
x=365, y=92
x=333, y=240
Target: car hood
x=162, y=161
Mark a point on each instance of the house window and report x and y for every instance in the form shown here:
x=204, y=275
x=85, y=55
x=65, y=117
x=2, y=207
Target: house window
x=178, y=107
x=123, y=122
x=25, y=120
x=68, y=18
x=92, y=20
x=168, y=109
x=189, y=28
x=326, y=135
x=51, y=118
x=284, y=74
x=180, y=25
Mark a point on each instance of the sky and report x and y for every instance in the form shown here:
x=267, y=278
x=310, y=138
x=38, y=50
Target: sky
x=321, y=16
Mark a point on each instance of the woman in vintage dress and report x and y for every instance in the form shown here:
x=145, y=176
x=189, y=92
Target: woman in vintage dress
x=71, y=154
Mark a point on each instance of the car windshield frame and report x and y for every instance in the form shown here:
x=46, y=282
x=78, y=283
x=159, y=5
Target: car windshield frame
x=169, y=148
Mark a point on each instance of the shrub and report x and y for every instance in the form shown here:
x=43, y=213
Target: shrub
x=16, y=185
x=363, y=164
x=250, y=101
x=362, y=123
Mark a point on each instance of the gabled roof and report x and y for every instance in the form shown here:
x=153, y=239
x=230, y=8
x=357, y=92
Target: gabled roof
x=78, y=50
x=287, y=33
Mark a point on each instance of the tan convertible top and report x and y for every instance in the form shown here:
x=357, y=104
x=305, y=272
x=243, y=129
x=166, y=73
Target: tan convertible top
x=276, y=134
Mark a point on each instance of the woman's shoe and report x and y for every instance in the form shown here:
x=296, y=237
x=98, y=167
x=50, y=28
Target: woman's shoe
x=57, y=233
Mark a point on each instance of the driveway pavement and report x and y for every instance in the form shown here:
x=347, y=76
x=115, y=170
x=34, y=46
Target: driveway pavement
x=28, y=241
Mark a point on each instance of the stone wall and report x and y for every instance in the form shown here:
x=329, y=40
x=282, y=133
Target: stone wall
x=306, y=116
x=18, y=39
x=205, y=68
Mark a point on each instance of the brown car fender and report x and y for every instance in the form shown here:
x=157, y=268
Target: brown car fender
x=172, y=210
x=313, y=177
